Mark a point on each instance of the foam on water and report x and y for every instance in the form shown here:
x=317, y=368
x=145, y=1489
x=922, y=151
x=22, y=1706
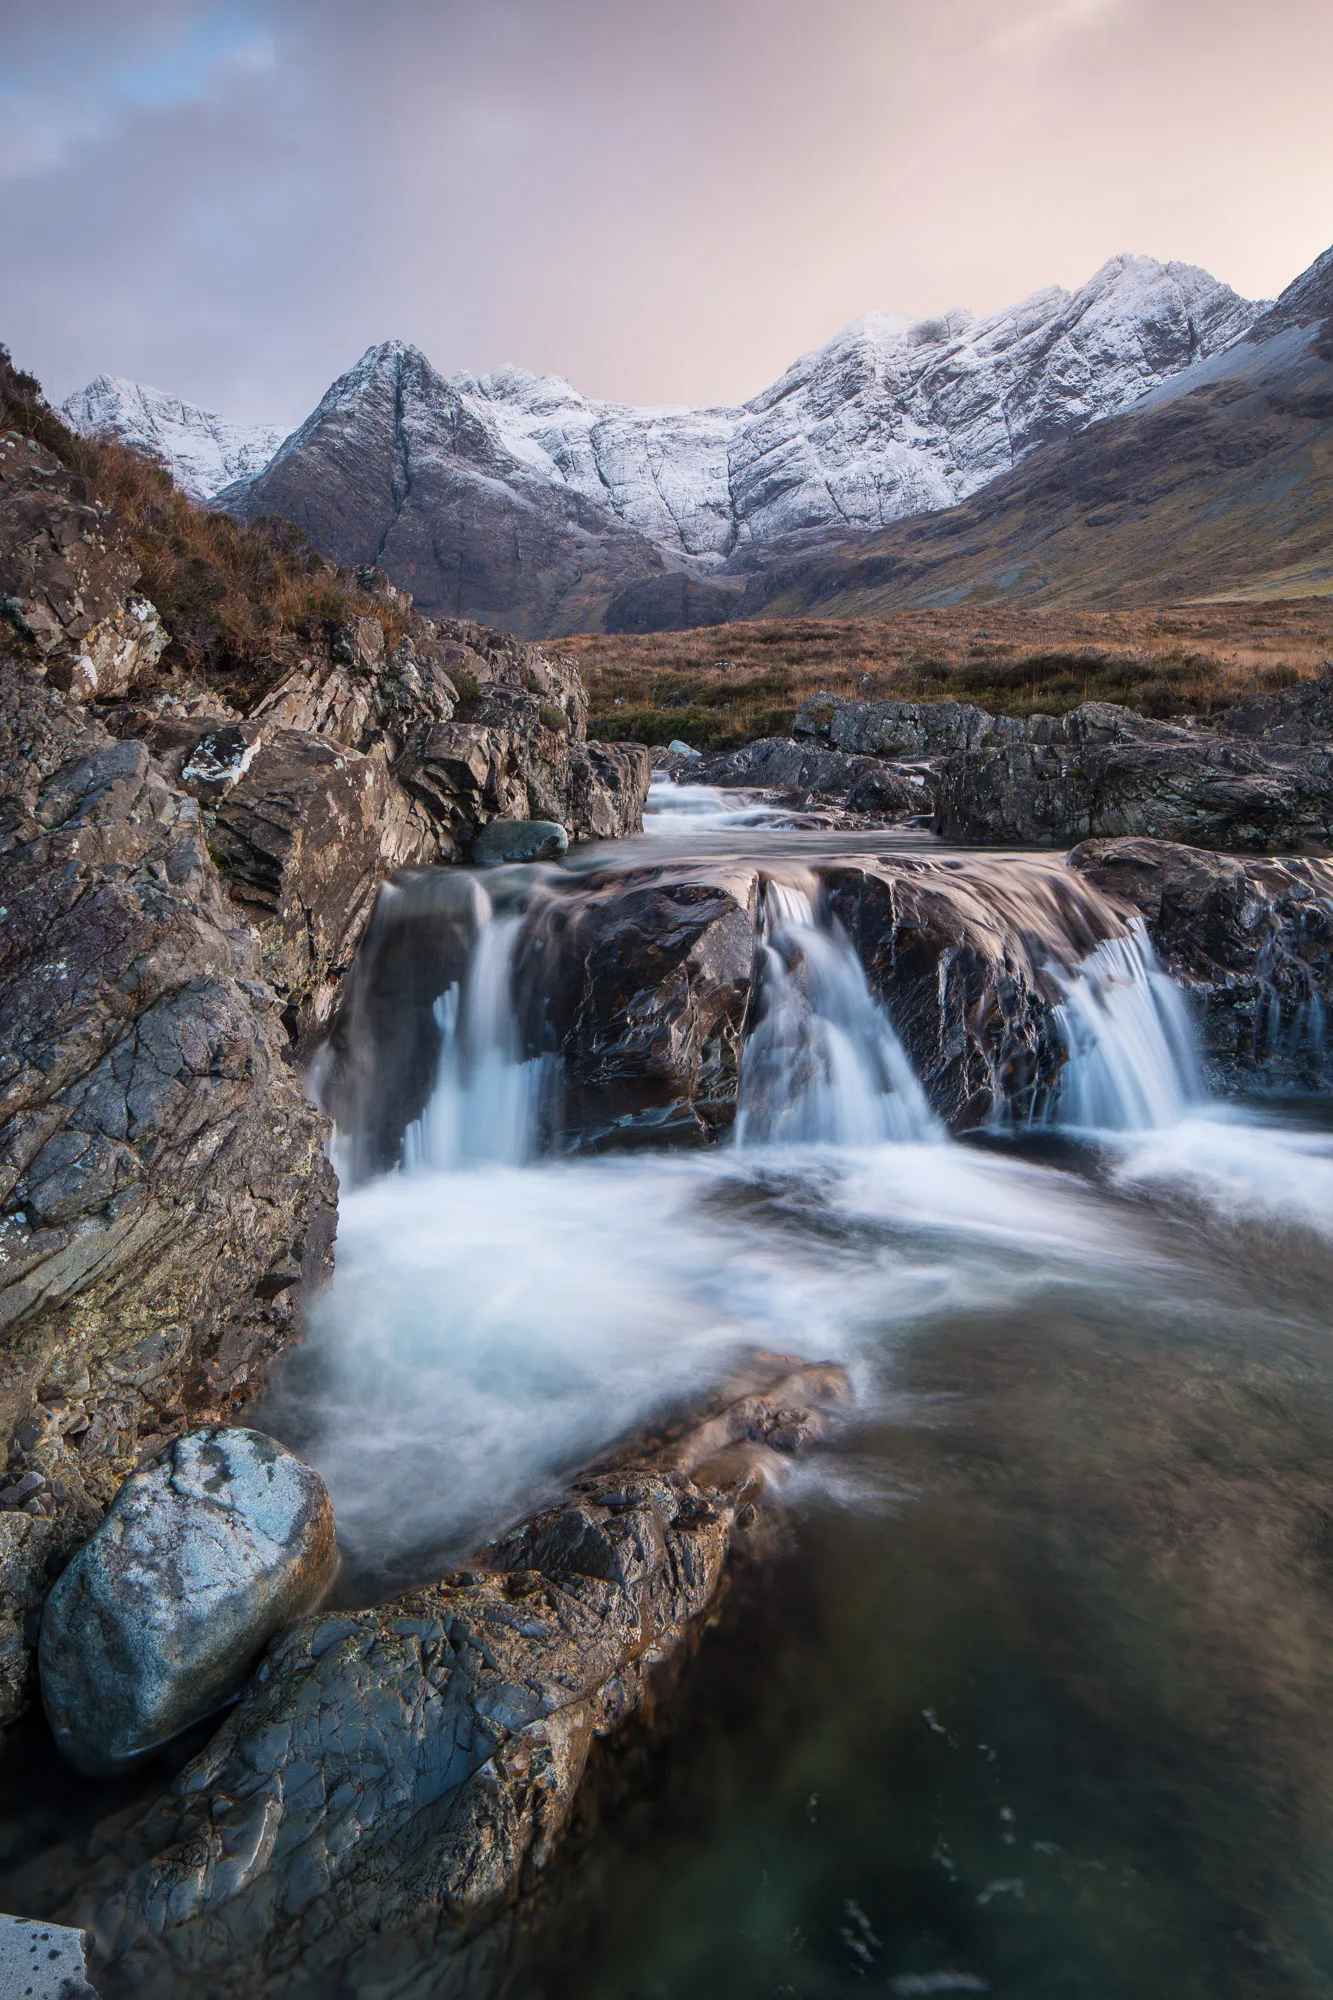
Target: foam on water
x=703, y=808
x=822, y=1062
x=1132, y=1063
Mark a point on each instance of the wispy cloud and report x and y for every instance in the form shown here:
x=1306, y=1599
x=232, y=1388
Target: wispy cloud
x=1045, y=25
x=54, y=101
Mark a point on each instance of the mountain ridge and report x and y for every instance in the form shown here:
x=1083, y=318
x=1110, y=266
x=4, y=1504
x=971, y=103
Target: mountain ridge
x=513, y=498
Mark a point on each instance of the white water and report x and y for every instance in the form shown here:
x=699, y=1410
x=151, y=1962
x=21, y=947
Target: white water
x=1133, y=1062
x=822, y=1063
x=486, y=1104
x=497, y=1318
x=703, y=808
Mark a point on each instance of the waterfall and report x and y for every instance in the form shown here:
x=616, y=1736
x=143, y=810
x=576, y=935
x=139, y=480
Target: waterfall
x=1132, y=1060
x=487, y=1101
x=822, y=1063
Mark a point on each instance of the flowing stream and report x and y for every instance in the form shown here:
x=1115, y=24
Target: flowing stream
x=1032, y=1697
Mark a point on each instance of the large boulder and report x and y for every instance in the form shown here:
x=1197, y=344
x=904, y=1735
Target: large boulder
x=1227, y=793
x=1251, y=939
x=306, y=834
x=963, y=959
x=899, y=729
x=641, y=985
x=201, y=1558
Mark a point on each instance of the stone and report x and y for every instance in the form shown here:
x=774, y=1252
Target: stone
x=679, y=749
x=407, y=1771
x=157, y=1622
x=158, y=1159
x=805, y=770
x=40, y=1961
x=306, y=834
x=1226, y=793
x=519, y=840
x=641, y=983
x=898, y=729
x=32, y=1551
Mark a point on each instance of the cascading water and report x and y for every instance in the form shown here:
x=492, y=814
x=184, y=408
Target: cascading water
x=822, y=1064
x=487, y=1101
x=1132, y=1064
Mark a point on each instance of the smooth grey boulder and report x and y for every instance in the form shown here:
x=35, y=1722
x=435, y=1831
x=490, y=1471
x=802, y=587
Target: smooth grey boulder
x=519, y=840
x=202, y=1557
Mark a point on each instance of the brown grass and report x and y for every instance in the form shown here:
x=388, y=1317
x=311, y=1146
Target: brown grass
x=724, y=685
x=237, y=601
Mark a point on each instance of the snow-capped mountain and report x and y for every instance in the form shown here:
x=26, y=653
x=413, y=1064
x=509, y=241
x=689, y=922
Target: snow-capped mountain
x=516, y=498
x=203, y=450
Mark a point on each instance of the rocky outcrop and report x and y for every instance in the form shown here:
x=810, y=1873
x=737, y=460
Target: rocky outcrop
x=67, y=578
x=393, y=1779
x=962, y=958
x=164, y=1184
x=1251, y=940
x=1301, y=714
x=802, y=771
x=900, y=729
x=201, y=1558
x=640, y=985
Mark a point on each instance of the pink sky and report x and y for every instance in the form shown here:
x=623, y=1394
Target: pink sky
x=663, y=200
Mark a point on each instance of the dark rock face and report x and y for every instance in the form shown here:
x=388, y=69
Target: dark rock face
x=642, y=987
x=1302, y=714
x=306, y=835
x=1210, y=793
x=200, y=1559
x=393, y=1779
x=961, y=959
x=905, y=729
x=67, y=577
x=32, y=1551
x=806, y=768
x=519, y=840
x=1253, y=942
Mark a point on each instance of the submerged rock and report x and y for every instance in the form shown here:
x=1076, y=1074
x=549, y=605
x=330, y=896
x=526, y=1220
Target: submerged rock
x=394, y=1778
x=519, y=840
x=157, y=1622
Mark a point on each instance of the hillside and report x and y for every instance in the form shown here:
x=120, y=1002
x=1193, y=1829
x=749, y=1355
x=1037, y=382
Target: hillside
x=1219, y=484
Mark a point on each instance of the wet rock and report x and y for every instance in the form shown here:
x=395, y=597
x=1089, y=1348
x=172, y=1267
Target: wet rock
x=32, y=1550
x=641, y=986
x=519, y=840
x=403, y=1773
x=1251, y=940
x=961, y=956
x=608, y=787
x=158, y=1620
x=43, y=1961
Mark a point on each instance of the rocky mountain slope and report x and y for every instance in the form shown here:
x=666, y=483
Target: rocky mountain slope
x=1219, y=483
x=516, y=499
x=203, y=451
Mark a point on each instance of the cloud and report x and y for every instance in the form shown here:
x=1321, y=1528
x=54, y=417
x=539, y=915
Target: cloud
x=1050, y=24
x=59, y=96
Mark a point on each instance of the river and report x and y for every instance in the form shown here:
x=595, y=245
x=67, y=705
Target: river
x=1031, y=1696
